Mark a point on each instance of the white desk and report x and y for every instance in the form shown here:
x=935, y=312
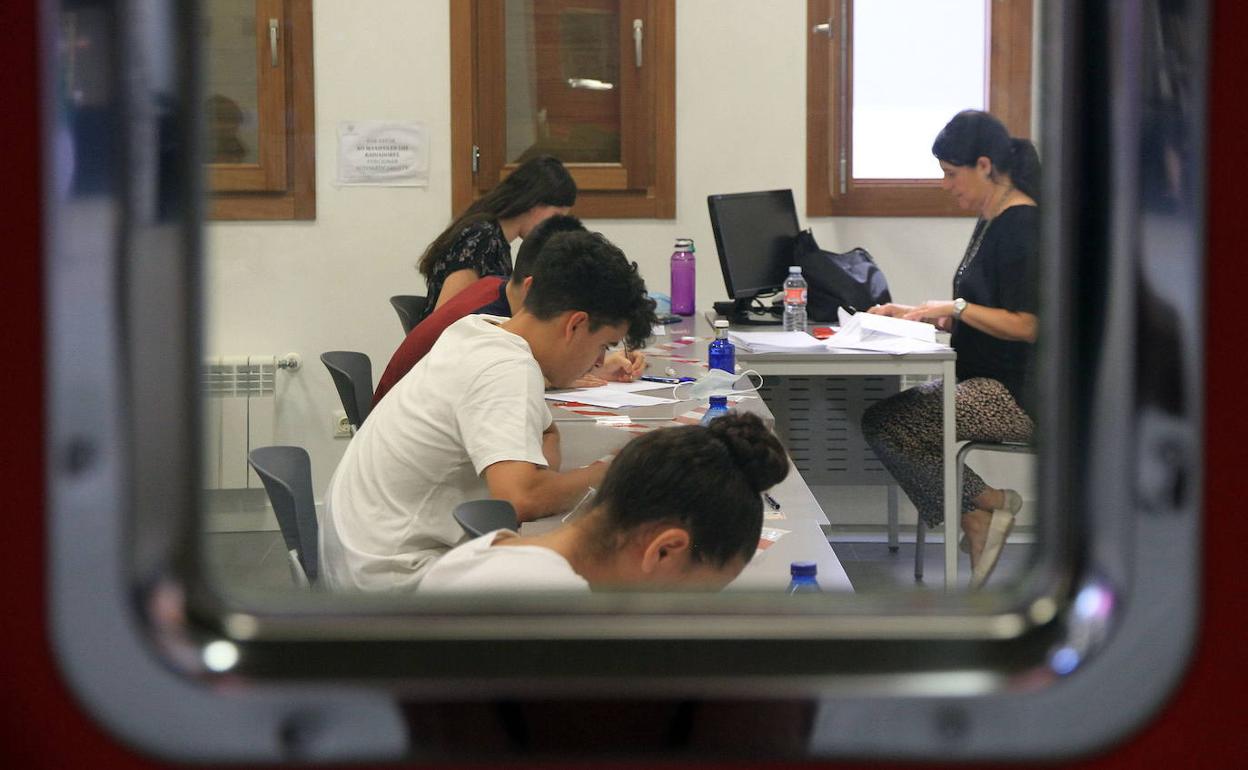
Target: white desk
x=854, y=363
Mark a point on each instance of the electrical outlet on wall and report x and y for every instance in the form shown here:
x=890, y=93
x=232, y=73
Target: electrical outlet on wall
x=342, y=426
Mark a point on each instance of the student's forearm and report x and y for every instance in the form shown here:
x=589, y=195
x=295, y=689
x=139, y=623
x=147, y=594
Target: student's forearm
x=553, y=493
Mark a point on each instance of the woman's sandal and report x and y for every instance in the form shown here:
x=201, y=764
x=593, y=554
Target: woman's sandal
x=1013, y=504
x=998, y=533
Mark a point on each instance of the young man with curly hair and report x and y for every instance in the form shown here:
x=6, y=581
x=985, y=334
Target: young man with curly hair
x=470, y=420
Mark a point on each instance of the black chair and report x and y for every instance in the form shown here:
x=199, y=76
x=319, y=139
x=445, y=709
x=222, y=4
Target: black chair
x=480, y=516
x=409, y=307
x=353, y=376
x=287, y=476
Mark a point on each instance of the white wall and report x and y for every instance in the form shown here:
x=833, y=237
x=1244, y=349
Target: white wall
x=324, y=285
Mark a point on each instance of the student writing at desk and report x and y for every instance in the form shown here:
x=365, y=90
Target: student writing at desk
x=993, y=324
x=497, y=296
x=470, y=420
x=478, y=243
x=679, y=508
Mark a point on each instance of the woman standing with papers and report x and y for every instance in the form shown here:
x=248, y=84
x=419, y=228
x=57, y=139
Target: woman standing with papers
x=993, y=325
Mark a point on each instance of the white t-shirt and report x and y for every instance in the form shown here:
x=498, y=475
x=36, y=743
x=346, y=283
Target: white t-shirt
x=480, y=565
x=476, y=399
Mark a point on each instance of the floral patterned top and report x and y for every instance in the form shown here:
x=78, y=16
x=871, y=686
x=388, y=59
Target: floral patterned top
x=480, y=247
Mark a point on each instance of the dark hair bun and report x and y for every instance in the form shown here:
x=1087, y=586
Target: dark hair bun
x=754, y=449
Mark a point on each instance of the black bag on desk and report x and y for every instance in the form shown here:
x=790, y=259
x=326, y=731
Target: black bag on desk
x=836, y=280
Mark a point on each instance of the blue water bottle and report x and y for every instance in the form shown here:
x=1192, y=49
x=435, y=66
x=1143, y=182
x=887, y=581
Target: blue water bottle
x=717, y=409
x=722, y=354
x=803, y=577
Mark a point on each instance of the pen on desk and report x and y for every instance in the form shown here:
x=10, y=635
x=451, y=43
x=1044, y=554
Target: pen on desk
x=771, y=501
x=665, y=380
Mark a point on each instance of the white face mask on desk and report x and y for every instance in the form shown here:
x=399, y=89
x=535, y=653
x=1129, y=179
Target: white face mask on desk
x=717, y=382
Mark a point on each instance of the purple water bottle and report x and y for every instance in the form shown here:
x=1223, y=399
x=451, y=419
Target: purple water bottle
x=683, y=277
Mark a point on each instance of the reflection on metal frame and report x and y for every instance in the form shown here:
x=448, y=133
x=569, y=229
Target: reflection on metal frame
x=138, y=632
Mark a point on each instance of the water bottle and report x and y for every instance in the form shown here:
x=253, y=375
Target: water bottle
x=683, y=277
x=803, y=577
x=717, y=409
x=722, y=354
x=794, y=301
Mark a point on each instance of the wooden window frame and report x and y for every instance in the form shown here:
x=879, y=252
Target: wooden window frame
x=295, y=196
x=1009, y=98
x=602, y=188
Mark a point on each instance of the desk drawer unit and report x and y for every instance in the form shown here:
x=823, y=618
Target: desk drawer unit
x=819, y=417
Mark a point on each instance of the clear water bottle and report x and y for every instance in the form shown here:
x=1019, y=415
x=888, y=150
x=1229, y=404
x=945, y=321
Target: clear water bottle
x=722, y=354
x=803, y=577
x=795, y=301
x=683, y=277
x=717, y=409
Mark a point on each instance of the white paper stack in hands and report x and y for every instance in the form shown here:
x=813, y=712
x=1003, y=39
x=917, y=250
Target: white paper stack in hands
x=882, y=334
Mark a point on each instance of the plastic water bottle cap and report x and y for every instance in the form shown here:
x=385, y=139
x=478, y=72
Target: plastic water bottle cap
x=803, y=569
x=721, y=323
x=795, y=269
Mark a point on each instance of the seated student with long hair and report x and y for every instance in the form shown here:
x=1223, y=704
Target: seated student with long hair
x=679, y=508
x=478, y=242
x=497, y=296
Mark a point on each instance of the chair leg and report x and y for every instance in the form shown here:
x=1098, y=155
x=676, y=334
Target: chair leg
x=892, y=518
x=920, y=547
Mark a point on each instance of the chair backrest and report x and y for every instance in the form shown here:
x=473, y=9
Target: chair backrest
x=480, y=516
x=353, y=377
x=287, y=475
x=409, y=308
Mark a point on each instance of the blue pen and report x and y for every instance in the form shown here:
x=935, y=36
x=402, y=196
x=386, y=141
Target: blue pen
x=666, y=380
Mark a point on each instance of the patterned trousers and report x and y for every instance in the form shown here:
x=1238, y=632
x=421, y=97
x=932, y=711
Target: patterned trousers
x=906, y=433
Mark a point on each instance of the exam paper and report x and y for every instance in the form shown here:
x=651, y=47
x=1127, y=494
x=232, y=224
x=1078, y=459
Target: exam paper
x=776, y=342
x=608, y=397
x=882, y=334
x=630, y=387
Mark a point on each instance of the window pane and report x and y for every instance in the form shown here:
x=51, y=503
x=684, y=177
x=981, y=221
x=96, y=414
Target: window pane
x=909, y=79
x=563, y=95
x=231, y=107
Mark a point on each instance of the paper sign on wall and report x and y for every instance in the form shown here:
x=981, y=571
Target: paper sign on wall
x=384, y=153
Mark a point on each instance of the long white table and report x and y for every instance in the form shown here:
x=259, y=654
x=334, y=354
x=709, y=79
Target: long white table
x=855, y=363
x=585, y=439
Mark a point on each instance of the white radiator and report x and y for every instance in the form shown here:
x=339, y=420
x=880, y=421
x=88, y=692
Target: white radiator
x=239, y=415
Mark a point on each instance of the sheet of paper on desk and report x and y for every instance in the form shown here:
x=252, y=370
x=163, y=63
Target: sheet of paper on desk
x=633, y=387
x=882, y=334
x=610, y=399
x=776, y=342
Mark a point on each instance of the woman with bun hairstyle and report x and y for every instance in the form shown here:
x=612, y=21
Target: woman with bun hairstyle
x=678, y=508
x=478, y=243
x=993, y=322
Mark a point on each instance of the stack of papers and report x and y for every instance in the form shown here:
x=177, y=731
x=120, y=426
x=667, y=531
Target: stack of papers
x=879, y=333
x=777, y=342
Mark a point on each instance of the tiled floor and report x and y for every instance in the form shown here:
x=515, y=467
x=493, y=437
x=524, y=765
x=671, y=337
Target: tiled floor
x=258, y=560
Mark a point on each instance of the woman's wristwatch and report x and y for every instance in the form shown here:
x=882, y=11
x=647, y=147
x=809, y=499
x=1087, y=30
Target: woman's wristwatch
x=959, y=305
